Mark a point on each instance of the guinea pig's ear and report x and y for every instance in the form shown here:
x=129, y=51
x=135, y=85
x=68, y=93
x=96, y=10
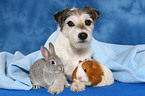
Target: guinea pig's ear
x=89, y=63
x=94, y=14
x=80, y=61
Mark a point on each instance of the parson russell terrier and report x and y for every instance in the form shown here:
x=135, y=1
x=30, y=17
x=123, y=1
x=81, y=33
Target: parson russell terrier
x=73, y=43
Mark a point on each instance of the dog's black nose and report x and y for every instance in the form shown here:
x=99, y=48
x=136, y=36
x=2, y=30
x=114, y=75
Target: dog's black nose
x=83, y=36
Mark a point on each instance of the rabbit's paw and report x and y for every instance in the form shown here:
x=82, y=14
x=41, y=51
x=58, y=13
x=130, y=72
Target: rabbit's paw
x=46, y=86
x=55, y=89
x=77, y=86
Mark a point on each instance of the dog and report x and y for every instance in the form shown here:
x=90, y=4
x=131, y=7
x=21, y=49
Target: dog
x=73, y=43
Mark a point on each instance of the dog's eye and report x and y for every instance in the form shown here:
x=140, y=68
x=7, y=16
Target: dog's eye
x=88, y=22
x=70, y=23
x=85, y=70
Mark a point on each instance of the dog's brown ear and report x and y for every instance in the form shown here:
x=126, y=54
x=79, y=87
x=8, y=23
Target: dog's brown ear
x=60, y=17
x=94, y=14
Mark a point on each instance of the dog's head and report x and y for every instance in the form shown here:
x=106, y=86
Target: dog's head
x=77, y=25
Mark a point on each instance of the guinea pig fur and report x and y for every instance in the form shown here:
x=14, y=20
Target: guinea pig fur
x=93, y=73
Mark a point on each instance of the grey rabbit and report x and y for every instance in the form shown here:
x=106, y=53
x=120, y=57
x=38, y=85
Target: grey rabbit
x=48, y=72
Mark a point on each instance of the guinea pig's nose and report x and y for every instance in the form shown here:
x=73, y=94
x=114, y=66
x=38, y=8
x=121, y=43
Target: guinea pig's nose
x=83, y=36
x=79, y=78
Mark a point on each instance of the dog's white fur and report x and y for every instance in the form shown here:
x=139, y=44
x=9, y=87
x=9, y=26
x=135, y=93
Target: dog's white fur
x=68, y=46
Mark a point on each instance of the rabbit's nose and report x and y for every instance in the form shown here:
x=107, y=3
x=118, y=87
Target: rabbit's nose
x=61, y=68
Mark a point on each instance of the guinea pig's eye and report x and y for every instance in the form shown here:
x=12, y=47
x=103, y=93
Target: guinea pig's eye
x=70, y=24
x=52, y=62
x=85, y=70
x=88, y=22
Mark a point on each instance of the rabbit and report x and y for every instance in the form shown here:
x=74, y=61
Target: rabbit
x=48, y=72
x=91, y=73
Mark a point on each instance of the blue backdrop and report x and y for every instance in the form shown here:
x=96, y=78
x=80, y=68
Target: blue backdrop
x=25, y=25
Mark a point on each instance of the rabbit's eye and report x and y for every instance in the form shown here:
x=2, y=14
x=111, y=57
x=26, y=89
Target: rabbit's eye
x=52, y=62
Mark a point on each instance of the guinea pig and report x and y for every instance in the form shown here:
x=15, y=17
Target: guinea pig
x=92, y=73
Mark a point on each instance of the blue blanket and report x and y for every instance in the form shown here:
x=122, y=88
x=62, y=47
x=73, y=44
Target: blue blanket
x=126, y=63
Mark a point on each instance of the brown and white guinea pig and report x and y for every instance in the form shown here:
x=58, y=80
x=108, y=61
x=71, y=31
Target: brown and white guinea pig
x=93, y=73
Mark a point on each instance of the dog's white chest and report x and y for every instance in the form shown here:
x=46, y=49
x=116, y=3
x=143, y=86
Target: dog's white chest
x=70, y=61
x=69, y=57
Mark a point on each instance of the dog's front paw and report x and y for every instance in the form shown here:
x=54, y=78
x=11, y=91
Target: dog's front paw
x=55, y=89
x=77, y=86
x=67, y=85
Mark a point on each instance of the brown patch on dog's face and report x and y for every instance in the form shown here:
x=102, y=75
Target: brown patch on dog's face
x=94, y=71
x=94, y=14
x=81, y=26
x=77, y=25
x=61, y=16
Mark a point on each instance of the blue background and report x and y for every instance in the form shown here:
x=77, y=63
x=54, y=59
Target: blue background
x=25, y=25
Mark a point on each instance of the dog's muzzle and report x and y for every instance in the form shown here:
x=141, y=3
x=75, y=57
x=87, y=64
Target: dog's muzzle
x=83, y=36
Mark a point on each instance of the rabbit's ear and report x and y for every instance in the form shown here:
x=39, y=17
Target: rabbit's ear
x=45, y=53
x=51, y=48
